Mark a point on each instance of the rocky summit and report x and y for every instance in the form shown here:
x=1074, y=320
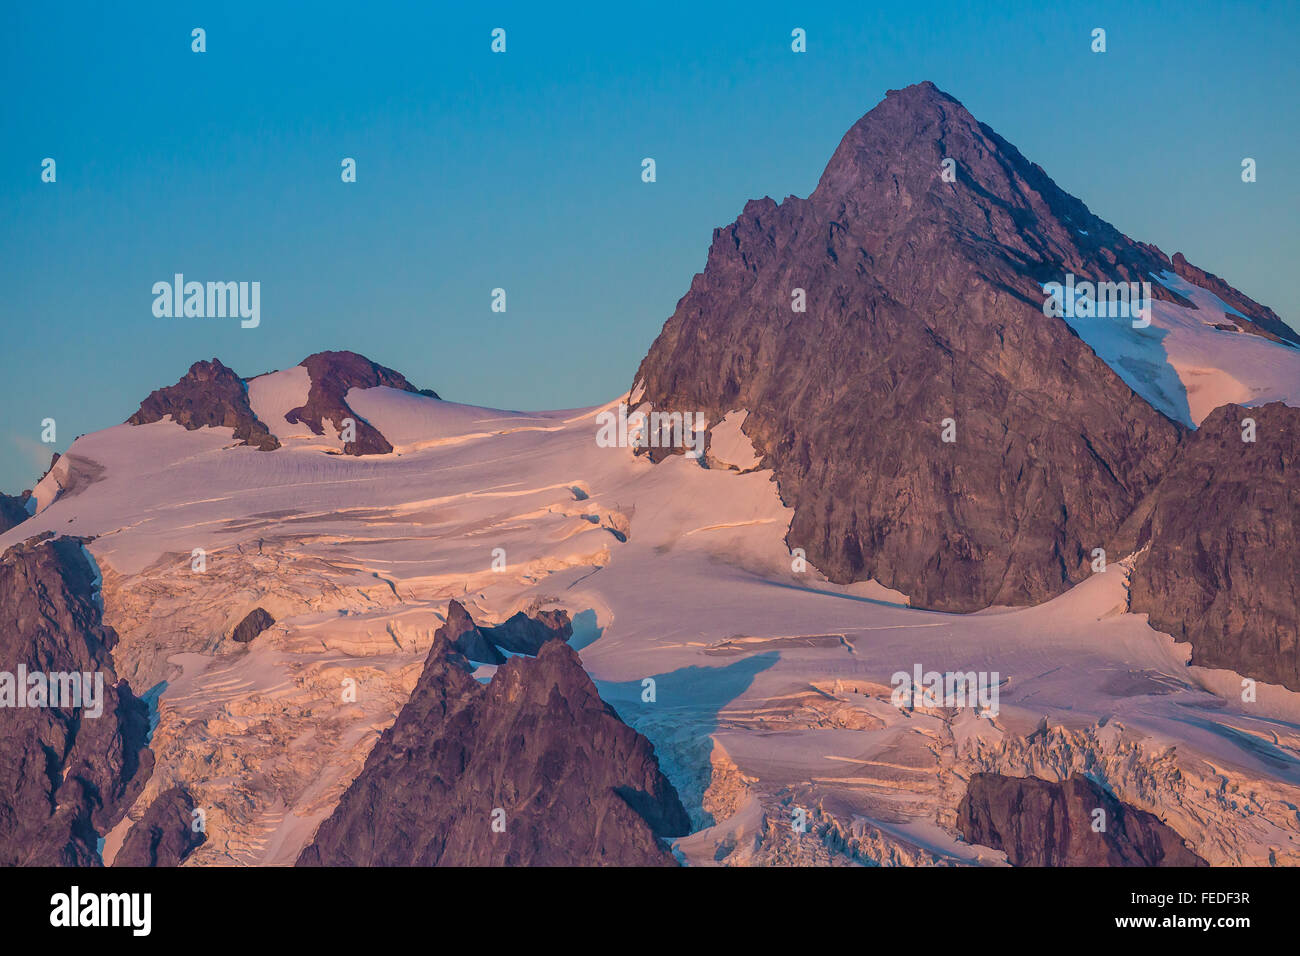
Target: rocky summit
x=923, y=304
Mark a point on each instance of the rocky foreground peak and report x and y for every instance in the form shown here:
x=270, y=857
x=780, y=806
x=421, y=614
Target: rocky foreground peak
x=532, y=768
x=521, y=634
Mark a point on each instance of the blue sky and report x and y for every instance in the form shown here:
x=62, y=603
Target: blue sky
x=522, y=171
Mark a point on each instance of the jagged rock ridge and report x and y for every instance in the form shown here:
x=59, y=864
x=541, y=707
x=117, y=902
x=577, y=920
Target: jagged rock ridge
x=1260, y=320
x=535, y=750
x=520, y=634
x=66, y=776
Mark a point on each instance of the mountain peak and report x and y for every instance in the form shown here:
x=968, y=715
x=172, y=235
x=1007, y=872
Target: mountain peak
x=922, y=255
x=909, y=127
x=924, y=92
x=920, y=172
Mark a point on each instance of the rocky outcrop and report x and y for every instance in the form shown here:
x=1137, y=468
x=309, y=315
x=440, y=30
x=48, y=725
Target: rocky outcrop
x=332, y=375
x=209, y=395
x=1045, y=823
x=924, y=302
x=254, y=623
x=1260, y=320
x=1221, y=567
x=531, y=769
x=13, y=510
x=68, y=773
x=467, y=638
x=165, y=835
x=520, y=634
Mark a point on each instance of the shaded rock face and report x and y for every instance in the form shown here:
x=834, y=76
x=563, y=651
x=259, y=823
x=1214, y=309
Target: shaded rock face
x=54, y=460
x=210, y=394
x=13, y=510
x=467, y=638
x=254, y=623
x=1223, y=565
x=520, y=634
x=1043, y=823
x=165, y=835
x=1262, y=320
x=924, y=302
x=332, y=374
x=66, y=777
x=576, y=785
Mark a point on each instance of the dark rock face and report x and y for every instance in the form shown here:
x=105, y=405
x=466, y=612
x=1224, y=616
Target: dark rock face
x=332, y=374
x=1041, y=823
x=924, y=302
x=576, y=785
x=1223, y=568
x=254, y=623
x=66, y=777
x=209, y=394
x=13, y=510
x=520, y=634
x=1262, y=320
x=54, y=460
x=466, y=637
x=165, y=835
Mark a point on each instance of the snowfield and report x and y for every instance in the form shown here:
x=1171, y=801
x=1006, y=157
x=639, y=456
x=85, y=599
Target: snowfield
x=1185, y=367
x=771, y=687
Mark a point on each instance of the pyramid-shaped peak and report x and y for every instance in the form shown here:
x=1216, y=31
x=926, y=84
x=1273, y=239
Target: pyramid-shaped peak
x=916, y=107
x=917, y=124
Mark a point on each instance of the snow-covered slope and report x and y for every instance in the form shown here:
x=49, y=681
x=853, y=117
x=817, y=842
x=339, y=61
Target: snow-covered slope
x=771, y=687
x=1185, y=363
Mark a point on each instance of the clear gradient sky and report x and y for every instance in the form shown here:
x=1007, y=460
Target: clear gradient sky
x=522, y=170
